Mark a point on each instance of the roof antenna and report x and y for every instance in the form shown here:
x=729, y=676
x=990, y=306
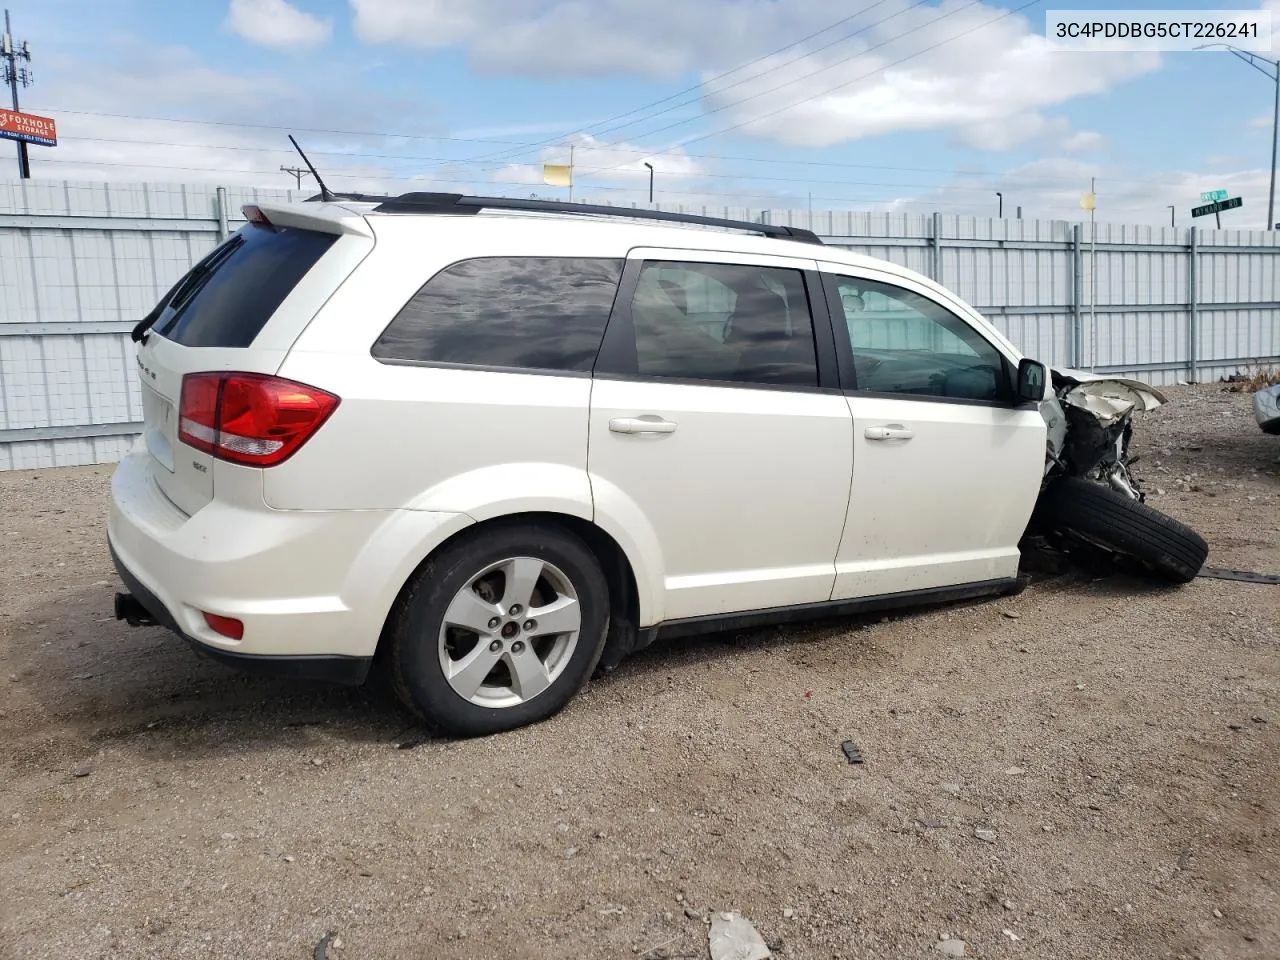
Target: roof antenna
x=325, y=195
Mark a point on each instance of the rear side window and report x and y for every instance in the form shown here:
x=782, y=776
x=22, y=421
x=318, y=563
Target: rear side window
x=724, y=321
x=543, y=313
x=227, y=298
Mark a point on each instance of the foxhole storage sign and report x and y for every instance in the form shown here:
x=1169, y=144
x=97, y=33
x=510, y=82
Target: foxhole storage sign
x=28, y=127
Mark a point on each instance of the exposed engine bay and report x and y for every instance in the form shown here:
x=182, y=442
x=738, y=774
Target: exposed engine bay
x=1090, y=420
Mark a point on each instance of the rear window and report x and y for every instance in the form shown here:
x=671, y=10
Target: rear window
x=544, y=313
x=228, y=297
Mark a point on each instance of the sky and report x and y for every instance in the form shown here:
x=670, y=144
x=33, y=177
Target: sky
x=882, y=105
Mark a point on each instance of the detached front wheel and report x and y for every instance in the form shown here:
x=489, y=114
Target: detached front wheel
x=499, y=630
x=1104, y=518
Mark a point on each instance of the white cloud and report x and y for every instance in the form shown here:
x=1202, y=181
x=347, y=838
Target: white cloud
x=895, y=66
x=138, y=80
x=278, y=24
x=571, y=38
x=952, y=67
x=1083, y=141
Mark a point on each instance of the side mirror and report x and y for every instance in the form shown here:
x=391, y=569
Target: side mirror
x=1032, y=377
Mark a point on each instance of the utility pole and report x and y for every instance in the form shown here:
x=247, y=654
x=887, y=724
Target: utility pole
x=1273, y=75
x=297, y=173
x=1093, y=274
x=16, y=76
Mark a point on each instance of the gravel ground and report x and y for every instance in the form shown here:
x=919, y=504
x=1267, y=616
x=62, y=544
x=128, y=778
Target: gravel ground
x=1119, y=741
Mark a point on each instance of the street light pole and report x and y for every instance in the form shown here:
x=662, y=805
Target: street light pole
x=1275, y=133
x=1173, y=213
x=1273, y=75
x=1000, y=200
x=650, y=166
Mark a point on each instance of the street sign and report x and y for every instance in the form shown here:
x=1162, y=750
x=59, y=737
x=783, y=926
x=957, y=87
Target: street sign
x=28, y=127
x=1217, y=207
x=1210, y=196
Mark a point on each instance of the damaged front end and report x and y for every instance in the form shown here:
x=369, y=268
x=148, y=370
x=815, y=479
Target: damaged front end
x=1090, y=505
x=1090, y=421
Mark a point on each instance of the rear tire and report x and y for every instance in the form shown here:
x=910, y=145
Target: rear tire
x=1105, y=518
x=499, y=630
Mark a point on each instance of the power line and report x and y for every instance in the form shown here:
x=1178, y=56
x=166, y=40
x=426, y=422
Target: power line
x=776, y=67
x=508, y=185
x=277, y=127
x=830, y=66
x=824, y=164
x=720, y=76
x=792, y=106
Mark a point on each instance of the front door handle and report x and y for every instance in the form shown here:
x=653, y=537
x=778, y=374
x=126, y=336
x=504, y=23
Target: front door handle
x=638, y=425
x=891, y=431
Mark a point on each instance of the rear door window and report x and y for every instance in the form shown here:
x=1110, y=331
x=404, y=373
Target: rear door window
x=723, y=322
x=539, y=313
x=228, y=297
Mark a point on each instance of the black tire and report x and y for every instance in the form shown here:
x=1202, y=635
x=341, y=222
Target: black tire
x=414, y=628
x=1108, y=519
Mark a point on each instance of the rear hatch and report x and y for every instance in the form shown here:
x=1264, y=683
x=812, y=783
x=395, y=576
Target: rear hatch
x=240, y=308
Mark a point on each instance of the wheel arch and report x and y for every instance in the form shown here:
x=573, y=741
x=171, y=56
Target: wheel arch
x=624, y=635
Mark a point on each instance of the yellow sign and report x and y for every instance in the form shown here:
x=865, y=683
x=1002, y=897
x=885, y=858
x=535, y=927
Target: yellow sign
x=557, y=174
x=1088, y=201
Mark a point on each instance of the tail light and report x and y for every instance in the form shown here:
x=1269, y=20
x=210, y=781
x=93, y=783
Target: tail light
x=250, y=418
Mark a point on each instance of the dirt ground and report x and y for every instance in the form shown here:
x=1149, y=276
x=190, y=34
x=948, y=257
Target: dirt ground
x=1121, y=741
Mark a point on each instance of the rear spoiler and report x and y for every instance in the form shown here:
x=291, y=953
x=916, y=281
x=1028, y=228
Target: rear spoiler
x=322, y=218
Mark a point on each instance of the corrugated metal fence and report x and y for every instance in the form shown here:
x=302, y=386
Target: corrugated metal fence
x=80, y=263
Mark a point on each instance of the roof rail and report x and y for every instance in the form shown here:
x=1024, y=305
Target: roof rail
x=457, y=203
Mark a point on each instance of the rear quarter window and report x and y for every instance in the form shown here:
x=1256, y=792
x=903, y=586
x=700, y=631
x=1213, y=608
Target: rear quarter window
x=250, y=276
x=540, y=313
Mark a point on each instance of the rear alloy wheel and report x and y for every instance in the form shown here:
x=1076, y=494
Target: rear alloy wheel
x=1101, y=517
x=499, y=631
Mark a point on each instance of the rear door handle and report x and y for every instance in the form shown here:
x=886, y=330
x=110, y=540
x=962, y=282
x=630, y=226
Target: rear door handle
x=892, y=431
x=637, y=425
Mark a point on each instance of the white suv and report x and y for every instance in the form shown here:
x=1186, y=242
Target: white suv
x=498, y=443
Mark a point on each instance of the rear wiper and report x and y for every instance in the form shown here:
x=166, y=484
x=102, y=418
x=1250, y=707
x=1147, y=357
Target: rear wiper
x=185, y=289
x=139, y=332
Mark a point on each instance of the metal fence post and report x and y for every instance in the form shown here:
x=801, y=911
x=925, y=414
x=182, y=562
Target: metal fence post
x=1193, y=321
x=935, y=265
x=221, y=203
x=1075, y=346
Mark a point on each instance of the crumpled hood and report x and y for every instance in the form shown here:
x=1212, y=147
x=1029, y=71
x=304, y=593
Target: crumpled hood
x=1109, y=398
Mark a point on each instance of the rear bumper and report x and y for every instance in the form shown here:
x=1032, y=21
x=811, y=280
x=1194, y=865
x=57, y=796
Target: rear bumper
x=330, y=668
x=312, y=588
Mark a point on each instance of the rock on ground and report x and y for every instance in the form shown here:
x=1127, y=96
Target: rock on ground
x=732, y=937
